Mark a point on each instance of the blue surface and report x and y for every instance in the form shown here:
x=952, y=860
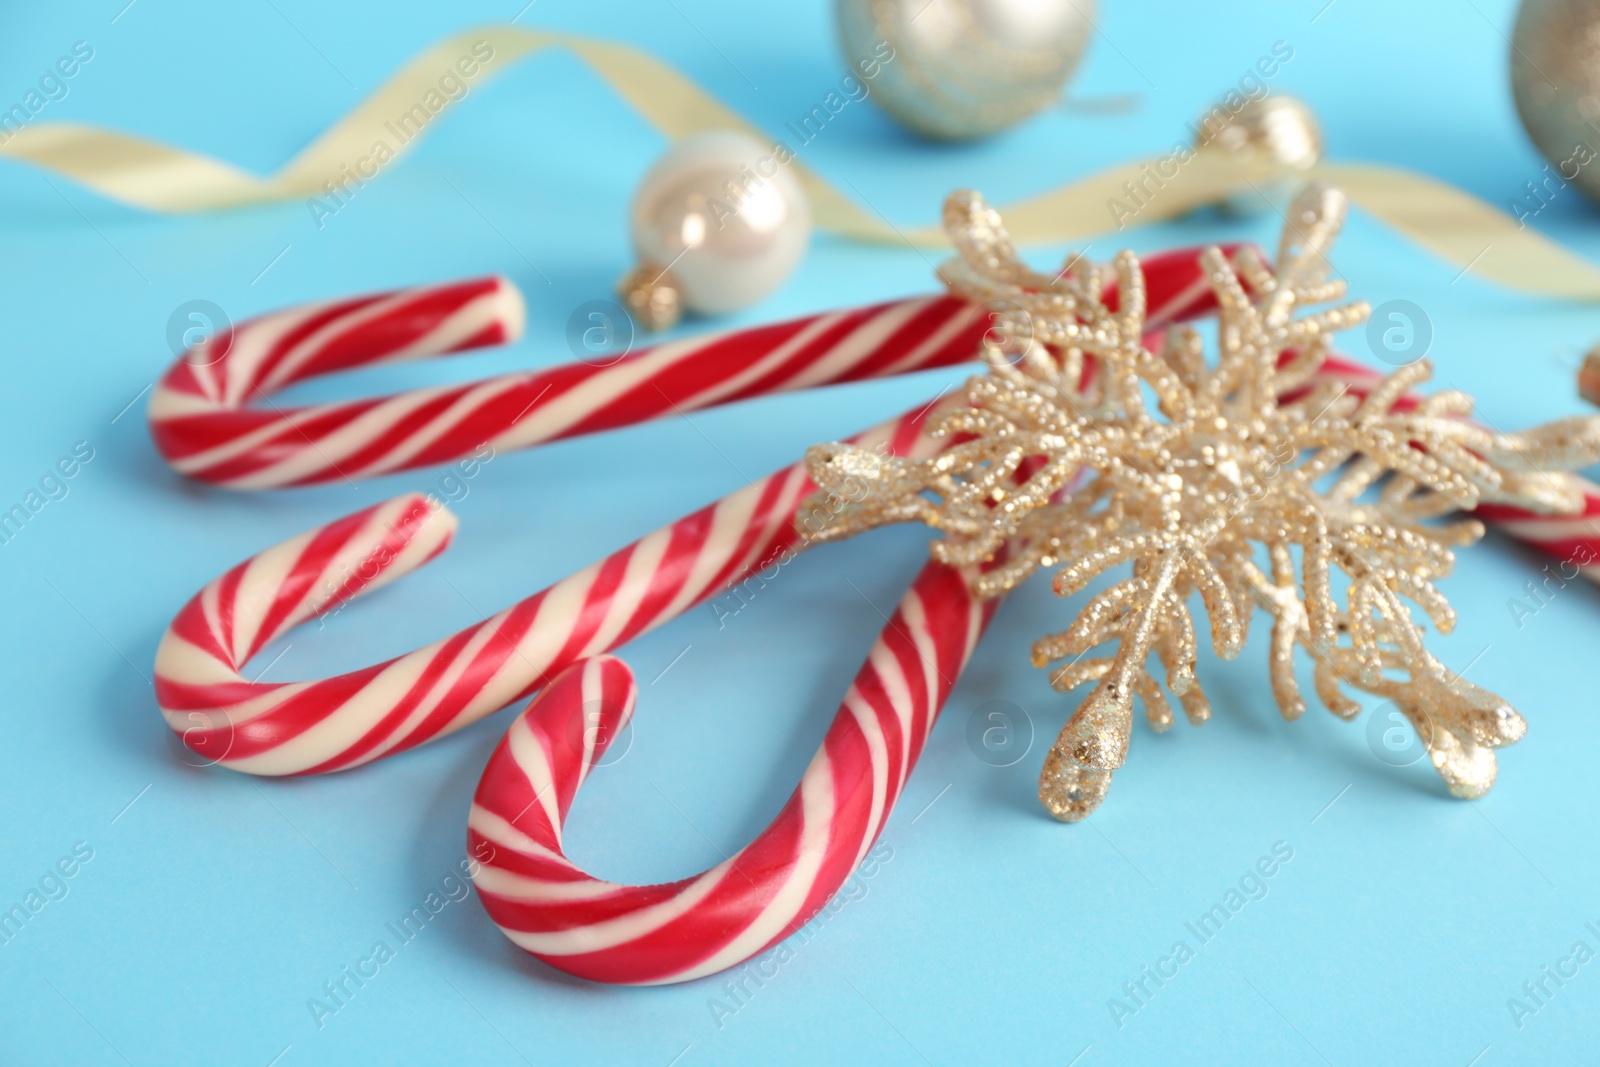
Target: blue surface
x=215, y=906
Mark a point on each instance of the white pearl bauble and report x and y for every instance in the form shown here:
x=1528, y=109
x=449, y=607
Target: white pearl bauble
x=721, y=213
x=964, y=68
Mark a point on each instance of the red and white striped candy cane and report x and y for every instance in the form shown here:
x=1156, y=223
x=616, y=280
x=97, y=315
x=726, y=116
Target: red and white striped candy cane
x=210, y=421
x=276, y=728
x=649, y=934
x=212, y=417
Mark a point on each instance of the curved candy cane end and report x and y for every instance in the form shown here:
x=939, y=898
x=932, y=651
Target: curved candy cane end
x=413, y=529
x=507, y=307
x=653, y=934
x=202, y=410
x=553, y=744
x=199, y=681
x=521, y=804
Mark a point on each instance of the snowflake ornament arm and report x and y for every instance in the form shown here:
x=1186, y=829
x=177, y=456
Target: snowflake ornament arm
x=1248, y=485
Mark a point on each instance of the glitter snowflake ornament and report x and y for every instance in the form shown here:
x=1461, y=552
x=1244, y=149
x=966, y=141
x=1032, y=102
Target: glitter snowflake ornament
x=1251, y=485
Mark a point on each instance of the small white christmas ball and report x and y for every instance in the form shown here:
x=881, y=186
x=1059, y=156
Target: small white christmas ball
x=719, y=219
x=954, y=69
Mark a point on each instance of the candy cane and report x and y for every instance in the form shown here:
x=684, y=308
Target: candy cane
x=212, y=417
x=631, y=934
x=276, y=728
x=201, y=421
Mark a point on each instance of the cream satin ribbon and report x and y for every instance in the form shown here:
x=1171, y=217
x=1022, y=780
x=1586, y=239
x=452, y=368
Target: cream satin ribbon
x=1452, y=224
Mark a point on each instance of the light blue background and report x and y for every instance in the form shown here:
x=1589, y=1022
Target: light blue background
x=216, y=905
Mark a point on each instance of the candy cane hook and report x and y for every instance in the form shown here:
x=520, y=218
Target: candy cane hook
x=651, y=934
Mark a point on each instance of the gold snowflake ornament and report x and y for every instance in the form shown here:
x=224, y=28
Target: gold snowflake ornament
x=1250, y=484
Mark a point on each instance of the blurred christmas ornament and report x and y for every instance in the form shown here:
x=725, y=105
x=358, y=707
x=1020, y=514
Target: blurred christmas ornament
x=954, y=69
x=1277, y=129
x=717, y=223
x=1589, y=376
x=1555, y=78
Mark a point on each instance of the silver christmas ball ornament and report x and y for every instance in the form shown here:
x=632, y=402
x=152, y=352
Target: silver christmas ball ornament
x=956, y=69
x=1555, y=79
